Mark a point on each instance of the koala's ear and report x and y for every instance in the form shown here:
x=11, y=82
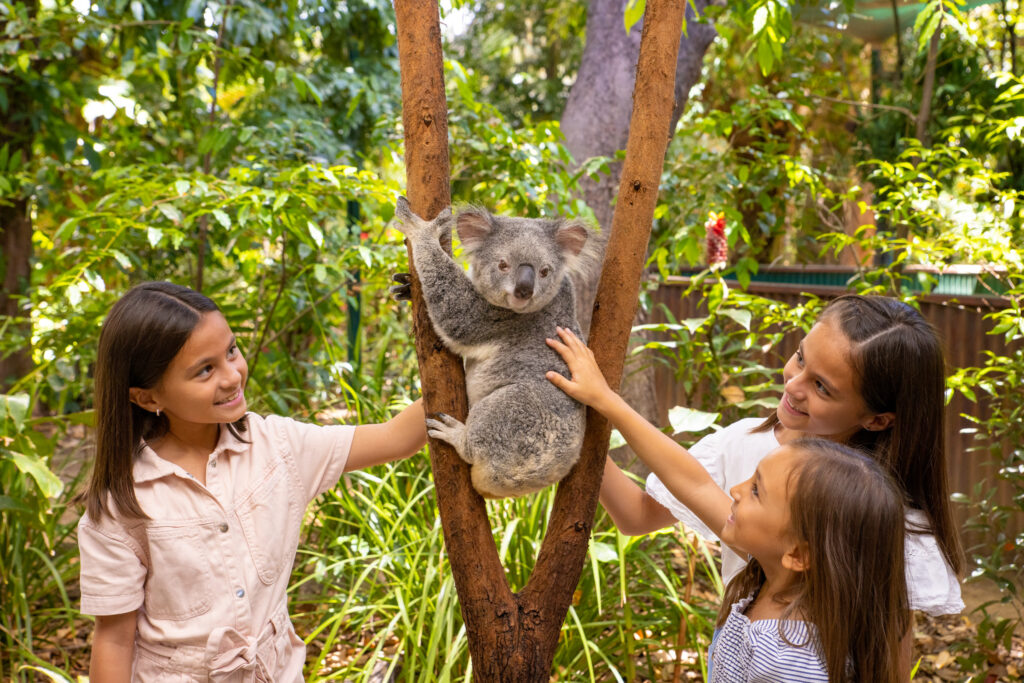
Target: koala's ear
x=473, y=226
x=571, y=237
x=402, y=210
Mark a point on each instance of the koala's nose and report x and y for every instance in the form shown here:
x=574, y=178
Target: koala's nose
x=525, y=276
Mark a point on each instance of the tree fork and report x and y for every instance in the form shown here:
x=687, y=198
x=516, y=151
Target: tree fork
x=513, y=637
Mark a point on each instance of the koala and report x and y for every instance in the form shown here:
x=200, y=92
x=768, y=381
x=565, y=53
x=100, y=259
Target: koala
x=522, y=433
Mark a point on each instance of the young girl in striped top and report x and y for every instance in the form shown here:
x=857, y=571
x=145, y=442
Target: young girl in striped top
x=824, y=596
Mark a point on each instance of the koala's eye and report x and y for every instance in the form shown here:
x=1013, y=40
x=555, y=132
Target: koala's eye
x=545, y=271
x=503, y=265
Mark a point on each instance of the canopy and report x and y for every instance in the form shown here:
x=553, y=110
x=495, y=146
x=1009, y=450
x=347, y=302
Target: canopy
x=871, y=20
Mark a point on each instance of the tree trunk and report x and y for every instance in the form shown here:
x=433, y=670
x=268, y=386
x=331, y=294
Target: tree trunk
x=513, y=637
x=16, y=237
x=927, y=90
x=15, y=266
x=596, y=123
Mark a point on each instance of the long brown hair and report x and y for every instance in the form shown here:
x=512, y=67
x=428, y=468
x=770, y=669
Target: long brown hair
x=899, y=368
x=141, y=335
x=850, y=513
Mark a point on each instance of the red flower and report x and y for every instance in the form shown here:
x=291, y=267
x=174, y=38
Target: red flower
x=717, y=245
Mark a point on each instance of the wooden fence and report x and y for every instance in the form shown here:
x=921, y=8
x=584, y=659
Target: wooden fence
x=960, y=322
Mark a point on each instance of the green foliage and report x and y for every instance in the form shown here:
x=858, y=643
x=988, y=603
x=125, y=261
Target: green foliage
x=374, y=590
x=770, y=153
x=256, y=147
x=521, y=170
x=525, y=55
x=37, y=553
x=723, y=361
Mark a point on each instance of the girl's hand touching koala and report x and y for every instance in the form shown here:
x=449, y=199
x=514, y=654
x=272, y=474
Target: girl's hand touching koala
x=588, y=385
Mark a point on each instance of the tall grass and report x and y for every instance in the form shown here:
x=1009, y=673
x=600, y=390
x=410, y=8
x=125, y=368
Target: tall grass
x=373, y=590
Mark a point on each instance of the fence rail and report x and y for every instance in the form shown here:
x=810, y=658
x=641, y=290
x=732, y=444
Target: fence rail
x=958, y=319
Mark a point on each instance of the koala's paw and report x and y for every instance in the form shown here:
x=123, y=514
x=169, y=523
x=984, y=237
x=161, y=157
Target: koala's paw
x=414, y=227
x=446, y=428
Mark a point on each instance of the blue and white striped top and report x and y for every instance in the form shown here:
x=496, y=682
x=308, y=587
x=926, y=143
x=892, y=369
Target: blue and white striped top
x=744, y=651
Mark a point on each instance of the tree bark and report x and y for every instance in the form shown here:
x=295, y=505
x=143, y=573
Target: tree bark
x=16, y=236
x=513, y=637
x=15, y=266
x=924, y=114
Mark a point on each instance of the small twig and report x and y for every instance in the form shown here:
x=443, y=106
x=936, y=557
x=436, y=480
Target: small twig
x=301, y=314
x=204, y=220
x=280, y=292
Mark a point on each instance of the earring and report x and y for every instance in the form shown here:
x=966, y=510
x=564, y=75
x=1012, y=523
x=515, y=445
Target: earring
x=158, y=412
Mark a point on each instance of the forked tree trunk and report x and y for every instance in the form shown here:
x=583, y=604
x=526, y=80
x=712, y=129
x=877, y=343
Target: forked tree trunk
x=513, y=637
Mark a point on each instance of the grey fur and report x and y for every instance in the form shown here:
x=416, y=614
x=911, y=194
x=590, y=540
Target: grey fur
x=522, y=433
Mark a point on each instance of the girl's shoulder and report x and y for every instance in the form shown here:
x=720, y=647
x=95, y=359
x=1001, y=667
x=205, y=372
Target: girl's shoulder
x=766, y=649
x=740, y=436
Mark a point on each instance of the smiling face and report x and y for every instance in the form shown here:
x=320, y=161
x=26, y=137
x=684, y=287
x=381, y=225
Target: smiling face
x=760, y=519
x=821, y=396
x=205, y=382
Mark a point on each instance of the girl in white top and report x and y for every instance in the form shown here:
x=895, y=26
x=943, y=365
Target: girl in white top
x=870, y=373
x=194, y=506
x=822, y=524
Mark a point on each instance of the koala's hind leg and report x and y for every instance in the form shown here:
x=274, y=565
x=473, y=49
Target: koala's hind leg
x=522, y=438
x=446, y=428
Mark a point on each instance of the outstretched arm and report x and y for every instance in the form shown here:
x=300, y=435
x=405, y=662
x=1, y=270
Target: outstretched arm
x=684, y=477
x=399, y=437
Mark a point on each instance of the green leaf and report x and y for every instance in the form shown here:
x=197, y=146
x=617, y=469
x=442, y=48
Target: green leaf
x=693, y=324
x=15, y=405
x=154, y=235
x=222, y=218
x=689, y=420
x=8, y=503
x=170, y=212
x=760, y=19
x=95, y=280
x=331, y=178
x=765, y=56
x=741, y=317
x=603, y=552
x=47, y=481
x=65, y=229
x=181, y=186
x=316, y=233
x=121, y=258
x=634, y=13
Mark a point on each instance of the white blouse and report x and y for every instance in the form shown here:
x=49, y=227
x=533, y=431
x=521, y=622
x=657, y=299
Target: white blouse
x=730, y=456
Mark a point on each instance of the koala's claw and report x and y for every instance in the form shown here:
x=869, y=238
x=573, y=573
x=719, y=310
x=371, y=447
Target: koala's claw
x=402, y=289
x=446, y=428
